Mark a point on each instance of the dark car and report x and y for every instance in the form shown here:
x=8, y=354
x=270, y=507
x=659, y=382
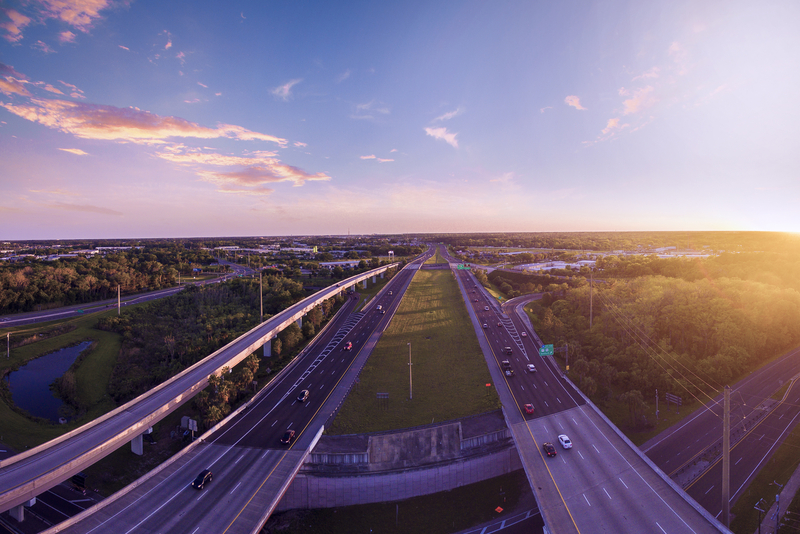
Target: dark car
x=288, y=437
x=303, y=396
x=549, y=449
x=202, y=479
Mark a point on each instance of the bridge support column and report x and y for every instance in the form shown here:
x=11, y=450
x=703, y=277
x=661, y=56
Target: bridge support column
x=365, y=284
x=299, y=322
x=375, y=279
x=18, y=512
x=268, y=348
x=137, y=446
x=382, y=273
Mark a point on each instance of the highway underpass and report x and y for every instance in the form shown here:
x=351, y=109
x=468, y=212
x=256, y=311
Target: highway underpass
x=25, y=475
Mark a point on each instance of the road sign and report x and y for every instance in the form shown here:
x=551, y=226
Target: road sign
x=546, y=350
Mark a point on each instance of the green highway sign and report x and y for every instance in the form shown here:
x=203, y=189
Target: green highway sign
x=463, y=266
x=546, y=350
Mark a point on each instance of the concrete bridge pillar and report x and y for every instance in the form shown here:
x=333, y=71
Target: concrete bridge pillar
x=18, y=512
x=137, y=446
x=299, y=322
x=382, y=273
x=268, y=348
x=365, y=283
x=375, y=278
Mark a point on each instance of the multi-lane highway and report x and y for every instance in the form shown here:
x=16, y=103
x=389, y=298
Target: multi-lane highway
x=251, y=467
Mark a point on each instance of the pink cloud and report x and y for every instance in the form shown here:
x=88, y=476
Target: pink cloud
x=52, y=89
x=444, y=135
x=300, y=144
x=11, y=86
x=44, y=47
x=66, y=37
x=612, y=125
x=124, y=48
x=574, y=101
x=372, y=156
x=79, y=14
x=652, y=73
x=259, y=175
x=382, y=160
x=542, y=110
x=14, y=25
x=93, y=121
x=202, y=85
x=84, y=208
x=76, y=151
x=642, y=99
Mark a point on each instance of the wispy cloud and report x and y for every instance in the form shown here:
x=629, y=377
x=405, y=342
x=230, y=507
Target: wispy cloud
x=449, y=115
x=259, y=175
x=371, y=156
x=574, y=101
x=504, y=178
x=444, y=135
x=284, y=92
x=642, y=98
x=12, y=82
x=76, y=151
x=124, y=48
x=542, y=110
x=612, y=125
x=94, y=121
x=43, y=47
x=300, y=144
x=652, y=73
x=66, y=37
x=51, y=89
x=343, y=76
x=368, y=110
x=76, y=93
x=202, y=85
x=376, y=158
x=14, y=24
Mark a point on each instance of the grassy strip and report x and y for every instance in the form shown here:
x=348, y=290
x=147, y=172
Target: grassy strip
x=449, y=371
x=436, y=258
x=779, y=468
x=440, y=513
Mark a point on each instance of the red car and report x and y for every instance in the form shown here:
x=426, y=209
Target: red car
x=348, y=346
x=529, y=408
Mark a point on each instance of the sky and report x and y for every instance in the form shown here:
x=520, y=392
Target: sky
x=139, y=118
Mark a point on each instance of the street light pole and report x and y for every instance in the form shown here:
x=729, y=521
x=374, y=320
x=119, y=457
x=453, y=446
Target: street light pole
x=410, y=389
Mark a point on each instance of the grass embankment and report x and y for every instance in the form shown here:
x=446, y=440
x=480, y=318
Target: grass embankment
x=439, y=513
x=449, y=371
x=436, y=258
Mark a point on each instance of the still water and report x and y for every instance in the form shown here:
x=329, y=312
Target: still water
x=30, y=385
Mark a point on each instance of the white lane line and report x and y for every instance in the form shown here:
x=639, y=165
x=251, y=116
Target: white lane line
x=595, y=448
x=607, y=495
x=273, y=424
x=195, y=530
x=234, y=488
x=623, y=483
x=579, y=453
x=709, y=489
x=659, y=526
x=739, y=460
x=587, y=500
x=239, y=458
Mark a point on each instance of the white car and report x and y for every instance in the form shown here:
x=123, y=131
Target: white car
x=531, y=368
x=524, y=334
x=486, y=308
x=564, y=441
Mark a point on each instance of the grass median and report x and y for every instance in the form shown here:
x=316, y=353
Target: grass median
x=449, y=373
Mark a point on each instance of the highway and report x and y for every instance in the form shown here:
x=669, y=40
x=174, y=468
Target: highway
x=251, y=467
x=599, y=485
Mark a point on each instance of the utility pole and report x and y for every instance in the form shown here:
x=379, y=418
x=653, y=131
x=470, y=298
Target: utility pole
x=760, y=511
x=118, y=301
x=410, y=389
x=8, y=345
x=726, y=459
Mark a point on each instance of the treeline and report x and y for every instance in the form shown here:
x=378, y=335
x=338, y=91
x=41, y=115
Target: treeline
x=171, y=334
x=689, y=338
x=39, y=284
x=610, y=241
x=514, y=284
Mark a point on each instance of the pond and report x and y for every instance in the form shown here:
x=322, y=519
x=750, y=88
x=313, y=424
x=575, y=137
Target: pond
x=30, y=385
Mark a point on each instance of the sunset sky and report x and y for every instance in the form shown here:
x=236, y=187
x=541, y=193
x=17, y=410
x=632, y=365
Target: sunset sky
x=161, y=118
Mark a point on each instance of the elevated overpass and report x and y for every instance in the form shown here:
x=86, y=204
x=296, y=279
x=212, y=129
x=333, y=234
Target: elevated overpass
x=26, y=475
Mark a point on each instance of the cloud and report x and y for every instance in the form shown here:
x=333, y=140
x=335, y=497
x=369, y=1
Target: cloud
x=79, y=14
x=642, y=98
x=284, y=92
x=124, y=48
x=444, y=135
x=449, y=115
x=77, y=151
x=202, y=85
x=367, y=110
x=371, y=156
x=66, y=37
x=504, y=178
x=613, y=124
x=44, y=47
x=169, y=43
x=300, y=144
x=259, y=175
x=94, y=121
x=574, y=101
x=76, y=93
x=343, y=76
x=382, y=160
x=10, y=84
x=14, y=25
x=84, y=208
x=52, y=89
x=393, y=150
x=542, y=110
x=652, y=73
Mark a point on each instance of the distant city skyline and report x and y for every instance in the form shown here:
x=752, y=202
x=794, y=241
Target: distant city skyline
x=148, y=119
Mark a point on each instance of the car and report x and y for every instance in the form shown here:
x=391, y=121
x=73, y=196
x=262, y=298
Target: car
x=383, y=312
x=485, y=325
x=486, y=308
x=531, y=368
x=476, y=300
x=529, y=408
x=549, y=449
x=348, y=346
x=564, y=441
x=202, y=479
x=499, y=325
x=524, y=334
x=390, y=293
x=303, y=396
x=508, y=350
x=288, y=437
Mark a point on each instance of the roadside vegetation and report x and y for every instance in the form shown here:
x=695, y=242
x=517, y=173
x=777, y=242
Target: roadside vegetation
x=449, y=373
